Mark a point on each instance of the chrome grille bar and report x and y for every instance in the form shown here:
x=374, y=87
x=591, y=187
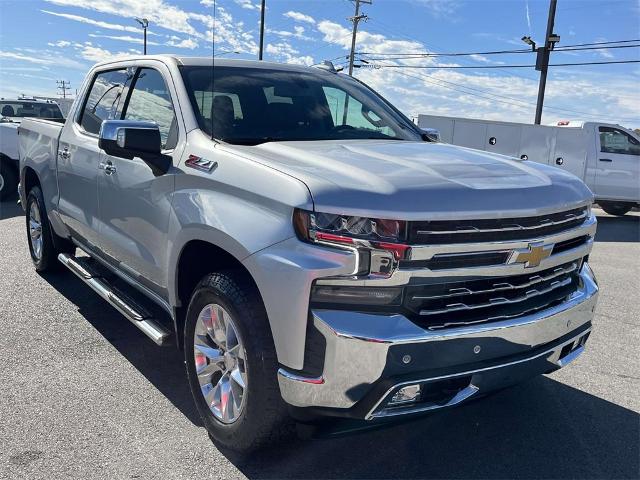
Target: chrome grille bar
x=507, y=228
x=456, y=307
x=502, y=285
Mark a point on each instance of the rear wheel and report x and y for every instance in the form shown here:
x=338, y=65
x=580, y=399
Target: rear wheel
x=231, y=364
x=44, y=244
x=615, y=208
x=8, y=180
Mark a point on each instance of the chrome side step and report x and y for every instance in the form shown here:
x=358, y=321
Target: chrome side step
x=134, y=313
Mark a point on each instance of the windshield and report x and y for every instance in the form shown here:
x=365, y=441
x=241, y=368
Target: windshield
x=251, y=106
x=29, y=109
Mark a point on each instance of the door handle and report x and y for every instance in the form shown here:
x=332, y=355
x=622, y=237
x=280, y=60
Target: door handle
x=108, y=167
x=606, y=160
x=64, y=153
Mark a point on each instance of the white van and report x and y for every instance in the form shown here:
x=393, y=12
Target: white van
x=605, y=156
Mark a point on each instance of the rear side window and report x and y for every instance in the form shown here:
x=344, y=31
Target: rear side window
x=102, y=101
x=150, y=101
x=613, y=140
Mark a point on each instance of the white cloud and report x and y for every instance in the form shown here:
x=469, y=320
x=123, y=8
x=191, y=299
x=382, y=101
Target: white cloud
x=248, y=4
x=285, y=52
x=230, y=34
x=124, y=38
x=189, y=43
x=158, y=12
x=300, y=17
x=59, y=43
x=97, y=23
x=298, y=32
x=440, y=8
x=96, y=54
x=26, y=58
x=41, y=57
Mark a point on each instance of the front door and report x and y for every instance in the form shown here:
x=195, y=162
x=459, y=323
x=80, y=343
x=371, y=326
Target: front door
x=617, y=165
x=134, y=203
x=79, y=155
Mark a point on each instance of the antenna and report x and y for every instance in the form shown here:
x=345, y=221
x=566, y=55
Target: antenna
x=213, y=61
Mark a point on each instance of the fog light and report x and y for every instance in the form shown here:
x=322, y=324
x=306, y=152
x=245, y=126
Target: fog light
x=356, y=295
x=408, y=394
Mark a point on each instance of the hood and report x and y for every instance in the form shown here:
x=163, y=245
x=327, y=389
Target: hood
x=419, y=180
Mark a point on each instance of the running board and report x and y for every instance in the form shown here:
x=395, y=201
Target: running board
x=134, y=313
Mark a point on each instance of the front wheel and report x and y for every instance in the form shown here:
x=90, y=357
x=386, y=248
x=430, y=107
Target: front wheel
x=231, y=363
x=615, y=208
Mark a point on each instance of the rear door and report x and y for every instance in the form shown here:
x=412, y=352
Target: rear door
x=79, y=155
x=134, y=203
x=617, y=165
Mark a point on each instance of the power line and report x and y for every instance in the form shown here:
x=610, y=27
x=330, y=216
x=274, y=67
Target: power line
x=493, y=52
x=409, y=56
x=473, y=67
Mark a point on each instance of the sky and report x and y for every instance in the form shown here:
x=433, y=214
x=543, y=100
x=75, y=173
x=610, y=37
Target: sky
x=42, y=41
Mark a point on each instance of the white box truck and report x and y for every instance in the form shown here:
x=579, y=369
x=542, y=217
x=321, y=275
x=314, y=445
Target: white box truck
x=605, y=156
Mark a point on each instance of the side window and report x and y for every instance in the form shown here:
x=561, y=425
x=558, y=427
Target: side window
x=102, y=101
x=150, y=101
x=613, y=140
x=354, y=116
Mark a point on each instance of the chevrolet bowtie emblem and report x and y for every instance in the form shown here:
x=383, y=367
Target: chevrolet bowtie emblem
x=531, y=256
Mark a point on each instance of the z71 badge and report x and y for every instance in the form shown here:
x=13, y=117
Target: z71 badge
x=200, y=163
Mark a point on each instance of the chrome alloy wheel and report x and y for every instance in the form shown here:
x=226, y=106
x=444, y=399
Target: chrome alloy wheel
x=220, y=361
x=35, y=230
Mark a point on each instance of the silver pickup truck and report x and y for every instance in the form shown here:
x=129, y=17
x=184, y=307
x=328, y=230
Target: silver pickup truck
x=308, y=248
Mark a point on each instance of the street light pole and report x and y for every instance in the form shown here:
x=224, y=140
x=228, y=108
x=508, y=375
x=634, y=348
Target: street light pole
x=542, y=60
x=144, y=23
x=261, y=30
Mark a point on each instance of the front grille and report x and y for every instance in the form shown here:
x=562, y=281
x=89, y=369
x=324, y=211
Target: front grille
x=493, y=230
x=483, y=300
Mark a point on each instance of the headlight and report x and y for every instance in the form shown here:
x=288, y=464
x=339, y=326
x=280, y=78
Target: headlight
x=380, y=242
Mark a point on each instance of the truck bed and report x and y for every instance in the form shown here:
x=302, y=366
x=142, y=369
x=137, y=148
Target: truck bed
x=38, y=140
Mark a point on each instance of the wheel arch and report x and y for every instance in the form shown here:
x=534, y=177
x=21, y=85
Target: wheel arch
x=29, y=179
x=197, y=258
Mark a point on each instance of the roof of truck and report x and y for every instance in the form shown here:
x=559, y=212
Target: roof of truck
x=208, y=61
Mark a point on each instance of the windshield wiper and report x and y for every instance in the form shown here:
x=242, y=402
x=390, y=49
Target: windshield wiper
x=252, y=140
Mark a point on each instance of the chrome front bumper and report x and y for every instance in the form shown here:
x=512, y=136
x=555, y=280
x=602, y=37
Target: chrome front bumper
x=370, y=356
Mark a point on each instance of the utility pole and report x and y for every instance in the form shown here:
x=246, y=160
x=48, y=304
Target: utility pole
x=356, y=19
x=542, y=59
x=261, y=30
x=63, y=86
x=144, y=23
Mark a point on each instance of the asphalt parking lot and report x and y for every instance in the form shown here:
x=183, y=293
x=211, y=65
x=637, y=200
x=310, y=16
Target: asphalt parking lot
x=85, y=395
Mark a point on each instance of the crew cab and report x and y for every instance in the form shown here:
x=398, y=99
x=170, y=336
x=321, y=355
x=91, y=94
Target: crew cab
x=11, y=114
x=308, y=248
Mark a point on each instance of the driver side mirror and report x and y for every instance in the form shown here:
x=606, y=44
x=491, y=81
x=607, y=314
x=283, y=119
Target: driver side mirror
x=130, y=139
x=430, y=134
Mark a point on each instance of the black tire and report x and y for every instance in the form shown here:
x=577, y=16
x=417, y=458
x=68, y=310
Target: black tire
x=52, y=244
x=615, y=208
x=8, y=180
x=263, y=418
